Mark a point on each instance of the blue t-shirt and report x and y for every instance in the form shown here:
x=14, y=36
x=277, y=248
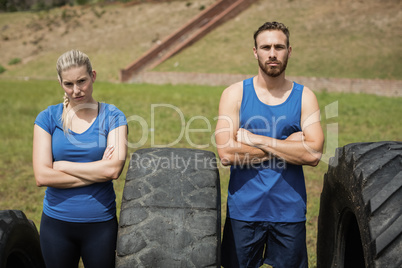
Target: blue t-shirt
x=274, y=190
x=93, y=203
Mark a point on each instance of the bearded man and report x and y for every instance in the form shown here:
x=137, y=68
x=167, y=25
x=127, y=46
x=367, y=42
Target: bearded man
x=268, y=128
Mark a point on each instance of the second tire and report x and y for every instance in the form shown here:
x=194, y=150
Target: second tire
x=360, y=220
x=170, y=214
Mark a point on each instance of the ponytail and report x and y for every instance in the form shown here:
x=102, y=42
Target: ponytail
x=64, y=118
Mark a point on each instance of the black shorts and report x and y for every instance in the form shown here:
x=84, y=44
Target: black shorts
x=250, y=244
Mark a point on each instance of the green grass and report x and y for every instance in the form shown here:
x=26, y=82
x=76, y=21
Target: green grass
x=358, y=118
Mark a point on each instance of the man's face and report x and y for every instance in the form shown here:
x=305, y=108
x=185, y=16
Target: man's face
x=272, y=52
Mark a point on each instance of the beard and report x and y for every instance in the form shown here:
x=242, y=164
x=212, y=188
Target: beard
x=273, y=71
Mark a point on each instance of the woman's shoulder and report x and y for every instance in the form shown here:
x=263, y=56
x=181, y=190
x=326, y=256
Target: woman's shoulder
x=50, y=118
x=54, y=108
x=111, y=116
x=110, y=109
x=52, y=111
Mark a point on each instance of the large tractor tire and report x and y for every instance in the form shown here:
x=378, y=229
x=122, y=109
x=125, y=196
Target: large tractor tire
x=360, y=220
x=170, y=213
x=19, y=241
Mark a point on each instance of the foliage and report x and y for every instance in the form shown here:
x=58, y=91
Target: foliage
x=359, y=118
x=2, y=69
x=14, y=61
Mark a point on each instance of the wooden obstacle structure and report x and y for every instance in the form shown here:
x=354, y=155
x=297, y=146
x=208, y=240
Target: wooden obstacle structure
x=191, y=32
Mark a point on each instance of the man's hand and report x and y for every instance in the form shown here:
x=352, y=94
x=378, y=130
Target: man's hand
x=244, y=136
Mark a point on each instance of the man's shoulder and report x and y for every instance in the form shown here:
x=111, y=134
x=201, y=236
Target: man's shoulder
x=235, y=87
x=308, y=93
x=306, y=90
x=233, y=92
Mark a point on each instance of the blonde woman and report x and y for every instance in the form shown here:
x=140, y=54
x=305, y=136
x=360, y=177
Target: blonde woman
x=79, y=148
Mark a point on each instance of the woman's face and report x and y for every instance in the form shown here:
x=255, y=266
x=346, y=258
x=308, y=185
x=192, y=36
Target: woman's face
x=77, y=83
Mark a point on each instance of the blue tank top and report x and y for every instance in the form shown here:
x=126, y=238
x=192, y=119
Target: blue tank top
x=274, y=190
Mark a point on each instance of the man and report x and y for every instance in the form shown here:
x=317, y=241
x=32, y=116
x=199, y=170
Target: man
x=268, y=127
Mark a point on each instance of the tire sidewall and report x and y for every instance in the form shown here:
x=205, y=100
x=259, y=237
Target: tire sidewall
x=20, y=243
x=340, y=202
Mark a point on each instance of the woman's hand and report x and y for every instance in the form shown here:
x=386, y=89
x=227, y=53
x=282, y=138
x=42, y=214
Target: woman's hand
x=108, y=152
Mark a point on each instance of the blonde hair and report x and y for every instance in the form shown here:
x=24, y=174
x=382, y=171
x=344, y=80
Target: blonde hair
x=70, y=59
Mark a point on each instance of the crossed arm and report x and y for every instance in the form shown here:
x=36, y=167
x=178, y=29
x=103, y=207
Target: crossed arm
x=65, y=174
x=238, y=146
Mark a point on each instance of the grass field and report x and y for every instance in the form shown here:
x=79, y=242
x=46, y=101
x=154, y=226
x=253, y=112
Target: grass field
x=346, y=118
x=344, y=39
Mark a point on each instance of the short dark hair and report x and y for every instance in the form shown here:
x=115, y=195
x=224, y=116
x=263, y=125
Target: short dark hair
x=270, y=26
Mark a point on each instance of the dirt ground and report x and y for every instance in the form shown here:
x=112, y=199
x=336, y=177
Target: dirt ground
x=30, y=36
x=114, y=35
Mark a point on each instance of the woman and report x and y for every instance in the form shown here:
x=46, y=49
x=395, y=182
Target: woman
x=79, y=148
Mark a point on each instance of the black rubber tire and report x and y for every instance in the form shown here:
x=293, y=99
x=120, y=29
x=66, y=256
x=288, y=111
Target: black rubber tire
x=170, y=213
x=19, y=241
x=360, y=219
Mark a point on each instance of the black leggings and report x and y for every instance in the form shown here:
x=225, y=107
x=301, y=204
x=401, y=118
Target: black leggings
x=63, y=243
